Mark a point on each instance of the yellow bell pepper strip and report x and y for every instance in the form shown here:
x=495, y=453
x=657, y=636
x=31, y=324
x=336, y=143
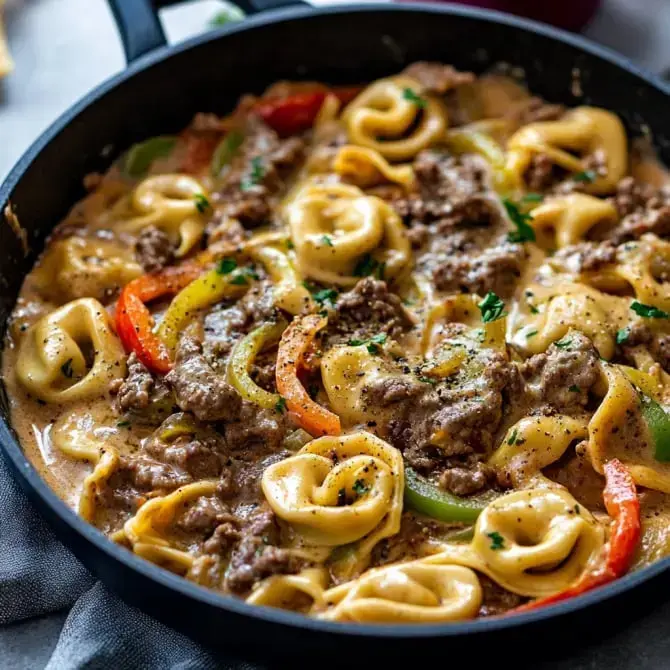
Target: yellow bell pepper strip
x=289, y=292
x=139, y=157
x=241, y=359
x=295, y=342
x=134, y=322
x=623, y=506
x=225, y=280
x=427, y=499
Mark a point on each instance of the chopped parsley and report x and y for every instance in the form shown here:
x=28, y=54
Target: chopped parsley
x=371, y=344
x=360, y=487
x=326, y=295
x=585, y=177
x=327, y=240
x=531, y=333
x=201, y=203
x=497, y=540
x=414, y=97
x=428, y=380
x=648, y=311
x=226, y=265
x=122, y=424
x=280, y=405
x=533, y=309
x=289, y=244
x=255, y=175
x=563, y=344
x=523, y=232
x=492, y=307
x=622, y=336
x=512, y=437
x=574, y=388
x=577, y=509
x=532, y=197
x=242, y=278
x=66, y=368
x=366, y=266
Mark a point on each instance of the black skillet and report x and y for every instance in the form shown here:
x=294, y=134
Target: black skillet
x=158, y=93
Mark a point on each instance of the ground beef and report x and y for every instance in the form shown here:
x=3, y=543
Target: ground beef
x=534, y=110
x=496, y=269
x=586, y=256
x=497, y=600
x=257, y=176
x=225, y=324
x=198, y=388
x=658, y=344
x=540, y=174
x=204, y=515
x=369, y=309
x=466, y=481
x=561, y=378
x=256, y=428
x=153, y=249
x=632, y=195
x=256, y=556
x=143, y=396
x=436, y=77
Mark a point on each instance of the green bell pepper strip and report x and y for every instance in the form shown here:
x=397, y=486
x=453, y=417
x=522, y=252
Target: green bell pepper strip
x=225, y=151
x=427, y=499
x=139, y=157
x=658, y=422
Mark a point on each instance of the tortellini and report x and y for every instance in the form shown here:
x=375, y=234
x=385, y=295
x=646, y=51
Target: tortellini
x=414, y=592
x=588, y=130
x=534, y=542
x=367, y=167
x=337, y=229
x=287, y=591
x=71, y=354
x=572, y=216
x=171, y=202
x=79, y=267
x=339, y=490
x=394, y=117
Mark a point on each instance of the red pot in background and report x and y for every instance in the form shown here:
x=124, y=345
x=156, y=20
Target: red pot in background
x=569, y=14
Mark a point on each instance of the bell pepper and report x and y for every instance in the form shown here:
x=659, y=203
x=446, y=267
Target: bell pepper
x=223, y=281
x=241, y=359
x=622, y=504
x=134, y=322
x=658, y=422
x=139, y=157
x=225, y=151
x=295, y=342
x=296, y=113
x=427, y=499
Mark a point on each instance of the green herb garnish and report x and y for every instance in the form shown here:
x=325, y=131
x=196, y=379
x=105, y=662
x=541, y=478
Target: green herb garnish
x=532, y=197
x=360, y=487
x=497, y=540
x=226, y=266
x=280, y=405
x=326, y=295
x=327, y=240
x=574, y=389
x=531, y=333
x=255, y=175
x=512, y=437
x=622, y=336
x=371, y=344
x=523, y=232
x=492, y=307
x=201, y=203
x=365, y=266
x=563, y=344
x=648, y=311
x=244, y=275
x=414, y=97
x=122, y=424
x=586, y=177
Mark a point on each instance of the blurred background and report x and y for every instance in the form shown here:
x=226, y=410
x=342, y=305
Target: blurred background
x=63, y=48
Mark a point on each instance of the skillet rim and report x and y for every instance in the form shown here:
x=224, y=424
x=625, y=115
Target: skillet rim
x=29, y=477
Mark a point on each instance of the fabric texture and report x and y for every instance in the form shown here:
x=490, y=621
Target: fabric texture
x=39, y=576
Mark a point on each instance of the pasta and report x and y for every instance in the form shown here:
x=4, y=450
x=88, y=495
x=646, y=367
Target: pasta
x=391, y=354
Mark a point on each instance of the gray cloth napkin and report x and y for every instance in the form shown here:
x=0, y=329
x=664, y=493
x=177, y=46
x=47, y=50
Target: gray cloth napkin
x=39, y=576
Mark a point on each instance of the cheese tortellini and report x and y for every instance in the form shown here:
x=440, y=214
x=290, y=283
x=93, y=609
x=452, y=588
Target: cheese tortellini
x=339, y=490
x=71, y=354
x=336, y=228
x=394, y=117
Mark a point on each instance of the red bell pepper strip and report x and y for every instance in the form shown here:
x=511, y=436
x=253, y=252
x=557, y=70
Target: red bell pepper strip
x=295, y=342
x=296, y=113
x=623, y=506
x=134, y=322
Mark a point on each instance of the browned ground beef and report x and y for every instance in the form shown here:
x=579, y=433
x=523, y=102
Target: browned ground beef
x=463, y=481
x=436, y=77
x=154, y=249
x=257, y=556
x=257, y=175
x=560, y=379
x=198, y=388
x=369, y=309
x=495, y=599
x=586, y=256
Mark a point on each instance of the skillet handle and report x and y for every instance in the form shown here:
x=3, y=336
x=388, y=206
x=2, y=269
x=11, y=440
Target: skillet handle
x=141, y=30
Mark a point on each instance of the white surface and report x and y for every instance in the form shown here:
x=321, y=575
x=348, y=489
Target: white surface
x=63, y=48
